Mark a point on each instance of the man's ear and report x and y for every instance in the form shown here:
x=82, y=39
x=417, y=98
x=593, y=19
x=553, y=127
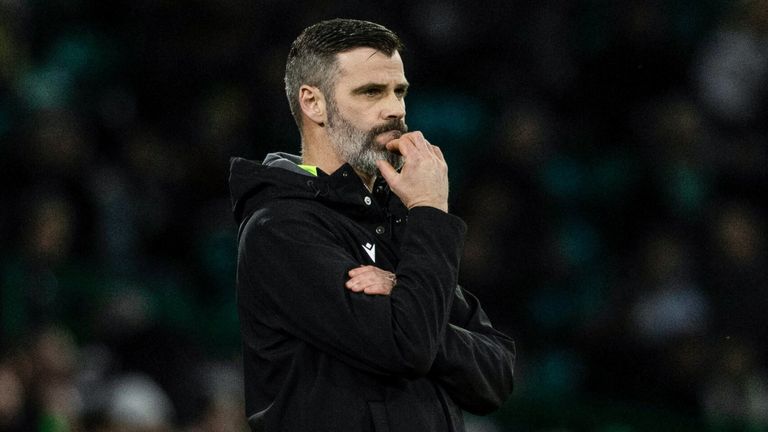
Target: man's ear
x=312, y=102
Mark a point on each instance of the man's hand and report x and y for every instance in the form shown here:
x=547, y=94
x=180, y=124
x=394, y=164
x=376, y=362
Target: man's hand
x=423, y=181
x=371, y=280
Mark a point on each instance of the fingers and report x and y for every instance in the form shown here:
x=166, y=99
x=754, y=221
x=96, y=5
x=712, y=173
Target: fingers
x=382, y=288
x=418, y=140
x=409, y=144
x=437, y=152
x=363, y=269
x=423, y=179
x=387, y=170
x=402, y=145
x=369, y=273
x=372, y=286
x=413, y=144
x=414, y=148
x=371, y=280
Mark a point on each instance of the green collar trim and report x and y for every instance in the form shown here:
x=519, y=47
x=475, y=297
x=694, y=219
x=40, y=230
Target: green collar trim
x=310, y=169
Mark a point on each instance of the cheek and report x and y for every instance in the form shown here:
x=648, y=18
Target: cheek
x=358, y=111
x=362, y=119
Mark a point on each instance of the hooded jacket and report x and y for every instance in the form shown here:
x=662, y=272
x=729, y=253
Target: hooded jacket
x=319, y=357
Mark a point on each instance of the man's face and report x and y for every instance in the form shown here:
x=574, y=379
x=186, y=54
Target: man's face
x=367, y=108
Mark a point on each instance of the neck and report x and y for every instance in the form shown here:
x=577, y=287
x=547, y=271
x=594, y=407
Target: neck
x=367, y=180
x=317, y=150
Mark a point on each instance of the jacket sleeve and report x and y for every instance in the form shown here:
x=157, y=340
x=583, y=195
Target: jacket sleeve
x=296, y=269
x=475, y=363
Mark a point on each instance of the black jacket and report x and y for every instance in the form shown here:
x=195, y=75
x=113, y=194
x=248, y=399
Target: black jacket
x=318, y=357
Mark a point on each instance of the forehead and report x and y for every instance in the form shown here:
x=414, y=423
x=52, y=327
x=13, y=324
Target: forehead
x=366, y=65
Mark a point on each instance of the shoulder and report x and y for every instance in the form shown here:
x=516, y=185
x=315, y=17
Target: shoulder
x=281, y=210
x=287, y=216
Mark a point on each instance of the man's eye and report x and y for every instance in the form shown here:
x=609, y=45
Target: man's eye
x=373, y=92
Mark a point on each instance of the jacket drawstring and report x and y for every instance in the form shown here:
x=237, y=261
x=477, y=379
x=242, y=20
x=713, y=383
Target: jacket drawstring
x=318, y=191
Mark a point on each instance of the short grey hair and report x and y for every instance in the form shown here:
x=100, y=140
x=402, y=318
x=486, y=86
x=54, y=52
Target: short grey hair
x=312, y=58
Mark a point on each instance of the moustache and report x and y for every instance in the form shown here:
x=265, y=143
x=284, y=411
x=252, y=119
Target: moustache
x=391, y=126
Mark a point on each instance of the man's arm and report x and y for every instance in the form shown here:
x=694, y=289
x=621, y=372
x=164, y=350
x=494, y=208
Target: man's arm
x=296, y=270
x=475, y=363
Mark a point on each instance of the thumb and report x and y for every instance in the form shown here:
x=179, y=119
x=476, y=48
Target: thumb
x=387, y=170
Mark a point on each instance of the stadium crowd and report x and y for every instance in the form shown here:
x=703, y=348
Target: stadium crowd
x=609, y=158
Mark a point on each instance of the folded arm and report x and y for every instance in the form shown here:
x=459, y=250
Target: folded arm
x=475, y=362
x=297, y=269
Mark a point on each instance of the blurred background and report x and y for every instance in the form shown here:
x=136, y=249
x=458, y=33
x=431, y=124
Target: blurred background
x=609, y=157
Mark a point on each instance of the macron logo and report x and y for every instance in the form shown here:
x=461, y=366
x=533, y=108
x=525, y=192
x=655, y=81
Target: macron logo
x=370, y=249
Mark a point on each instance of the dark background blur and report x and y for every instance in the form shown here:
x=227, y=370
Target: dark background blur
x=609, y=158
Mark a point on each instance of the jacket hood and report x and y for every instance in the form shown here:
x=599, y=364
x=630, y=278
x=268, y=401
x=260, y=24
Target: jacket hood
x=279, y=176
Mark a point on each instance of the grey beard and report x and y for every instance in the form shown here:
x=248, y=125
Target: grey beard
x=358, y=147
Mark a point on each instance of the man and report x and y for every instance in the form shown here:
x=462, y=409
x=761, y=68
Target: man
x=351, y=316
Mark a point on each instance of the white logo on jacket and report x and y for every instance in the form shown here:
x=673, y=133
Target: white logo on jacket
x=370, y=249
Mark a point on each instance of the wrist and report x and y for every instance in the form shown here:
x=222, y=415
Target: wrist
x=435, y=204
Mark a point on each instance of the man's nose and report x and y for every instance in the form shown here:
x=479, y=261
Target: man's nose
x=394, y=108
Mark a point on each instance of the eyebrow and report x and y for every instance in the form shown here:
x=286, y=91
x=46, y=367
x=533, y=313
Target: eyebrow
x=374, y=86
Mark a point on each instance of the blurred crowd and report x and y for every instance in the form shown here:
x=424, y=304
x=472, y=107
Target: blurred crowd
x=610, y=159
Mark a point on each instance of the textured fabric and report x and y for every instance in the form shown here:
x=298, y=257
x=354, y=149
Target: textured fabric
x=318, y=357
x=310, y=169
